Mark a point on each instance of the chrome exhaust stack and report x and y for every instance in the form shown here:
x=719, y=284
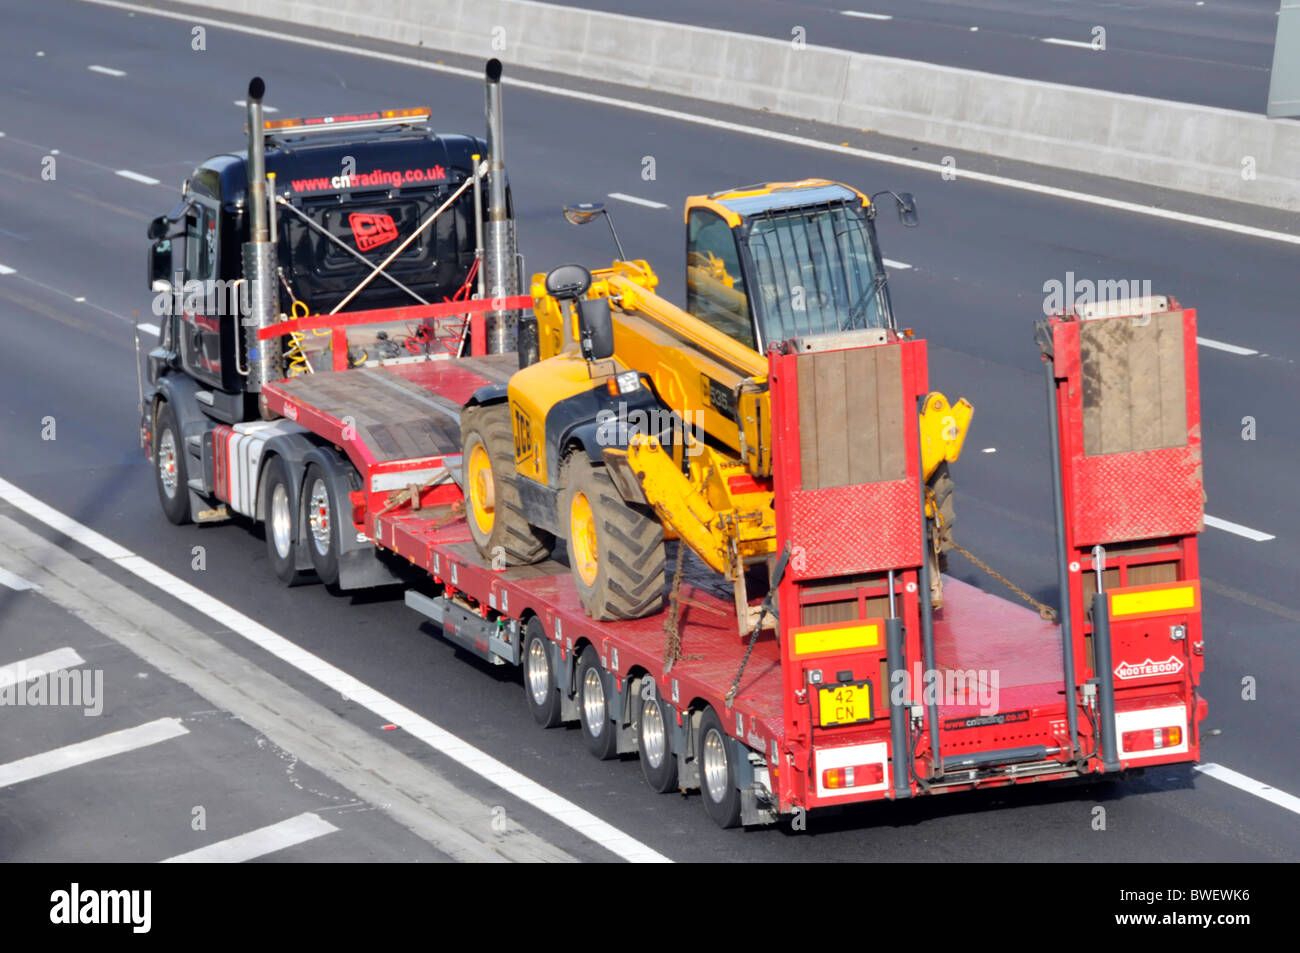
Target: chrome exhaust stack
x=262, y=357
x=500, y=252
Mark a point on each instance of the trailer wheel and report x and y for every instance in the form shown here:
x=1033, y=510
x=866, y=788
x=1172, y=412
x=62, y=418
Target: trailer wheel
x=653, y=742
x=616, y=551
x=539, y=678
x=320, y=515
x=171, y=474
x=717, y=774
x=281, y=523
x=594, y=694
x=495, y=512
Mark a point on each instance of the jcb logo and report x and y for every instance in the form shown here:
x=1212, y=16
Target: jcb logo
x=523, y=436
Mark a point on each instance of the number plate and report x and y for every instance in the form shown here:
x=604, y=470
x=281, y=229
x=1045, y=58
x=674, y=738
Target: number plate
x=844, y=704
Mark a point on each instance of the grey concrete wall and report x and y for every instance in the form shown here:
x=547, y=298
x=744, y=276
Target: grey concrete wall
x=1156, y=142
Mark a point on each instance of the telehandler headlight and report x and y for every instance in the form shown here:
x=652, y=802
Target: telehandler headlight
x=624, y=383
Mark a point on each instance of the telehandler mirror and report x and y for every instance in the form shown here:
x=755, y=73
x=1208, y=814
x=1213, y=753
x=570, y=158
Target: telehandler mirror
x=907, y=210
x=596, y=328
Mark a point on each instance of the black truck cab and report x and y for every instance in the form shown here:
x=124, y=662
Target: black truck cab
x=369, y=188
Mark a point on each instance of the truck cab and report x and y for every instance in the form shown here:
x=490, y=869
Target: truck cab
x=349, y=190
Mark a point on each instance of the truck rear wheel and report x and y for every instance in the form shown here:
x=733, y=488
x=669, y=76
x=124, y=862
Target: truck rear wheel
x=171, y=475
x=281, y=526
x=616, y=551
x=539, y=676
x=718, y=789
x=594, y=698
x=653, y=742
x=494, y=510
x=321, y=520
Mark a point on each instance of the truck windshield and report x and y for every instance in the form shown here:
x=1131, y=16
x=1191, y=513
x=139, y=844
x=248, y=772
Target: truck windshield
x=815, y=269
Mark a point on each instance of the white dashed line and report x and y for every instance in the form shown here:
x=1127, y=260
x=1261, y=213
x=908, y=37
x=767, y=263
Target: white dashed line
x=150, y=329
x=900, y=265
x=105, y=746
x=38, y=665
x=137, y=177
x=1238, y=529
x=1230, y=348
x=1079, y=44
x=1258, y=788
x=14, y=581
x=258, y=843
x=636, y=201
x=392, y=712
x=6, y=270
x=866, y=16
x=107, y=70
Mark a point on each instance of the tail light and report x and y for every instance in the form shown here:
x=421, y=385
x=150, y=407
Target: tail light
x=1153, y=739
x=854, y=776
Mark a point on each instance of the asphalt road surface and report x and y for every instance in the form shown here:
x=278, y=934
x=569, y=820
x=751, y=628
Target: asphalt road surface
x=1213, y=52
x=970, y=280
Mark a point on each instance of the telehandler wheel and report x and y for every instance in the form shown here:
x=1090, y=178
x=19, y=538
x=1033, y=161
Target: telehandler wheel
x=718, y=787
x=493, y=507
x=616, y=551
x=169, y=467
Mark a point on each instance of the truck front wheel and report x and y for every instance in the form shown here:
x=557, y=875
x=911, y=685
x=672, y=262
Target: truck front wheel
x=171, y=475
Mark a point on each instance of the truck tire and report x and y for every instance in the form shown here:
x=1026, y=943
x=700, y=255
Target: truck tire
x=321, y=520
x=594, y=699
x=281, y=526
x=718, y=786
x=654, y=744
x=493, y=507
x=616, y=551
x=170, y=469
x=540, y=688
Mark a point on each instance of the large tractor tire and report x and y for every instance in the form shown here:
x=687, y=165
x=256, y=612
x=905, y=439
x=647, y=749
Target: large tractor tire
x=493, y=509
x=616, y=551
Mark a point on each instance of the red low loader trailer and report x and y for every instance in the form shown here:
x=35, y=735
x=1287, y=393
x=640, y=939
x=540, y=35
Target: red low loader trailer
x=862, y=692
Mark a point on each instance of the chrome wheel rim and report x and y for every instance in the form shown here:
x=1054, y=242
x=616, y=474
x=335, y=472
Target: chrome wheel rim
x=593, y=702
x=167, y=463
x=281, y=522
x=538, y=670
x=654, y=739
x=715, y=765
x=319, y=518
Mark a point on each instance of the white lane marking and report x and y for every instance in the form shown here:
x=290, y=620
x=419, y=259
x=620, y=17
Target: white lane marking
x=1251, y=786
x=866, y=16
x=1246, y=531
x=137, y=177
x=900, y=265
x=107, y=70
x=441, y=740
x=989, y=450
x=105, y=746
x=38, y=665
x=14, y=581
x=6, y=270
x=1078, y=44
x=265, y=108
x=636, y=201
x=150, y=328
x=1230, y=348
x=477, y=75
x=258, y=843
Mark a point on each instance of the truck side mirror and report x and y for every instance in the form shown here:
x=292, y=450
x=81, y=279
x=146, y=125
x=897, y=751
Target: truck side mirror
x=158, y=227
x=596, y=327
x=160, y=263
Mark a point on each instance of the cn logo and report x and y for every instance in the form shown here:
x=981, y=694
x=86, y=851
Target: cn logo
x=371, y=231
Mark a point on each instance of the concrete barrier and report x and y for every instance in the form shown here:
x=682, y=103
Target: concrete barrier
x=1219, y=152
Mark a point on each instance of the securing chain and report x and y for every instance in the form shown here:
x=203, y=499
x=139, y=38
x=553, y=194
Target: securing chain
x=1044, y=610
x=672, y=633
